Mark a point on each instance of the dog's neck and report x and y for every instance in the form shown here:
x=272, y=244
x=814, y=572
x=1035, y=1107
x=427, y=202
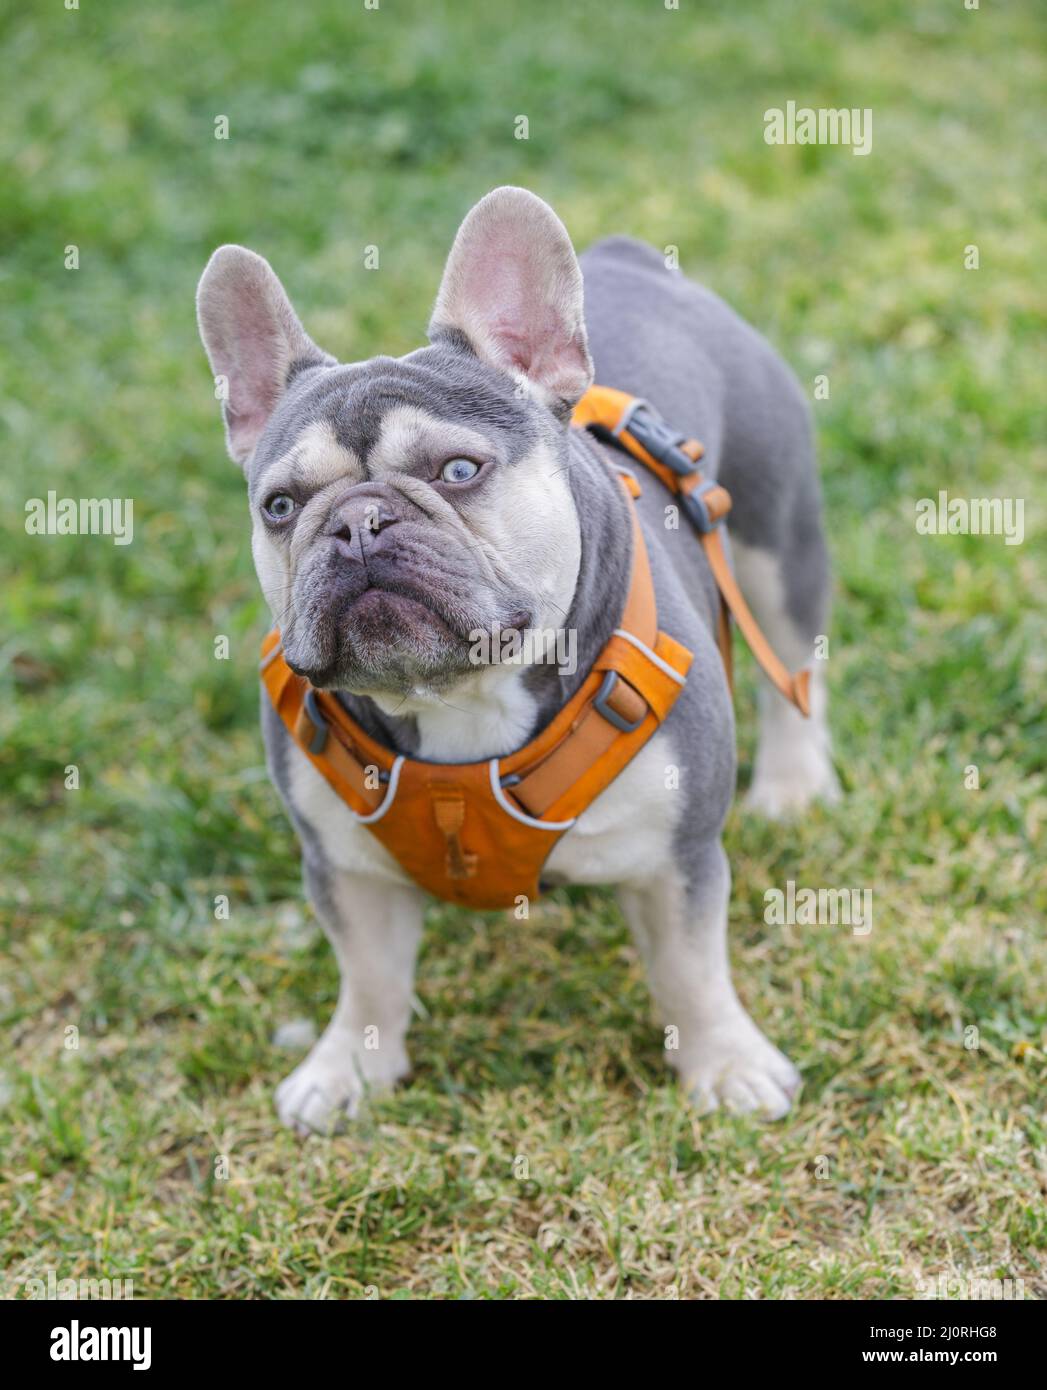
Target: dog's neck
x=499, y=708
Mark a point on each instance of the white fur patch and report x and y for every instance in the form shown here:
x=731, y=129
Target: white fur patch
x=484, y=717
x=626, y=835
x=316, y=460
x=347, y=845
x=407, y=429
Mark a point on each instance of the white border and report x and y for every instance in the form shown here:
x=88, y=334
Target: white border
x=268, y=659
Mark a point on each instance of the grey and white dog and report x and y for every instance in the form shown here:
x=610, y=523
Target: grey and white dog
x=400, y=505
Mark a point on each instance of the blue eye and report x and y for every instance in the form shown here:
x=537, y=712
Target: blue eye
x=280, y=506
x=459, y=470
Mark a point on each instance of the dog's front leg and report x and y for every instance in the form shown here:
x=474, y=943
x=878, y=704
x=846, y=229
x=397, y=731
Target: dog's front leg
x=679, y=920
x=375, y=929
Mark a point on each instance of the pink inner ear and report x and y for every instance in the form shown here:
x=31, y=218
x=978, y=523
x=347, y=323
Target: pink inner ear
x=258, y=363
x=252, y=337
x=259, y=357
x=521, y=343
x=513, y=288
x=510, y=303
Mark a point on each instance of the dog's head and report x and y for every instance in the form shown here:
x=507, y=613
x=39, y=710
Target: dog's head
x=401, y=505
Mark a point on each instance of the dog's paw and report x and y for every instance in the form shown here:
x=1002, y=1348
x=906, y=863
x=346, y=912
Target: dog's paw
x=790, y=785
x=734, y=1066
x=320, y=1095
x=327, y=1089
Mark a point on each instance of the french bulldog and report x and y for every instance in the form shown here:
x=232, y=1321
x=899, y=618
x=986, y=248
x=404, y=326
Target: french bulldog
x=492, y=513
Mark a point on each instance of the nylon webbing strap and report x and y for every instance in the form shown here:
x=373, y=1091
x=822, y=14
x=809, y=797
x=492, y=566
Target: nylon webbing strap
x=593, y=733
x=639, y=429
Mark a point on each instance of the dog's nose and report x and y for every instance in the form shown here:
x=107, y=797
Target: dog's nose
x=360, y=517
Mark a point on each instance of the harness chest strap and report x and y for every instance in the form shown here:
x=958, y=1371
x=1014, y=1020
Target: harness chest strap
x=629, y=421
x=479, y=833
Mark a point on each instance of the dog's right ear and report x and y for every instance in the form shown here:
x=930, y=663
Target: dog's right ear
x=253, y=340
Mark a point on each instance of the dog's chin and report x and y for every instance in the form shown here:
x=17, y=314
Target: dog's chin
x=386, y=643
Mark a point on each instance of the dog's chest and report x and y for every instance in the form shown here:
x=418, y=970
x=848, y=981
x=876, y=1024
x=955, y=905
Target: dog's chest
x=625, y=836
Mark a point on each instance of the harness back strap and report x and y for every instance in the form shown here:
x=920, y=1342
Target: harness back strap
x=673, y=458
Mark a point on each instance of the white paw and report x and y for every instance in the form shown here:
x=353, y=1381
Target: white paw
x=319, y=1096
x=792, y=783
x=327, y=1089
x=735, y=1066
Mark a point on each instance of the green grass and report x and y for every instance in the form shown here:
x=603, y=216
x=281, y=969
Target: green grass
x=908, y=1153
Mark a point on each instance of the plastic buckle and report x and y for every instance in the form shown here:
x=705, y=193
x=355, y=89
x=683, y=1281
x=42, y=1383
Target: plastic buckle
x=695, y=508
x=600, y=703
x=319, y=739
x=660, y=440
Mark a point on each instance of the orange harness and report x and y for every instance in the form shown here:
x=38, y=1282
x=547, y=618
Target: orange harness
x=479, y=833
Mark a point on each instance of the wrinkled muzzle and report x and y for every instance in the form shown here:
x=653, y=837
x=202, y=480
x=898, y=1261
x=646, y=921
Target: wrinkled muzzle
x=385, y=598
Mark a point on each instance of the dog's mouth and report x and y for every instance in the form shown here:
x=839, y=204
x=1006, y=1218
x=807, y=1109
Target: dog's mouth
x=386, y=639
x=389, y=628
x=392, y=612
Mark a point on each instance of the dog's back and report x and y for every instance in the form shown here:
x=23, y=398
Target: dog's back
x=657, y=334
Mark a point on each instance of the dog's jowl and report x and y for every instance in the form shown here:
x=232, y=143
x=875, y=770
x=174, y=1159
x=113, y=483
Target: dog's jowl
x=403, y=507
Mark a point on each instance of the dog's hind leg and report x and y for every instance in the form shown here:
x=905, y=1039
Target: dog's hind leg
x=782, y=564
x=793, y=763
x=766, y=460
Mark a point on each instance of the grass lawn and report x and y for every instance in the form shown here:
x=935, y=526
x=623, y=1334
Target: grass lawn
x=540, y=1148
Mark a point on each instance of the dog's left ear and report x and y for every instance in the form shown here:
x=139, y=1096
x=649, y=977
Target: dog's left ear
x=512, y=289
